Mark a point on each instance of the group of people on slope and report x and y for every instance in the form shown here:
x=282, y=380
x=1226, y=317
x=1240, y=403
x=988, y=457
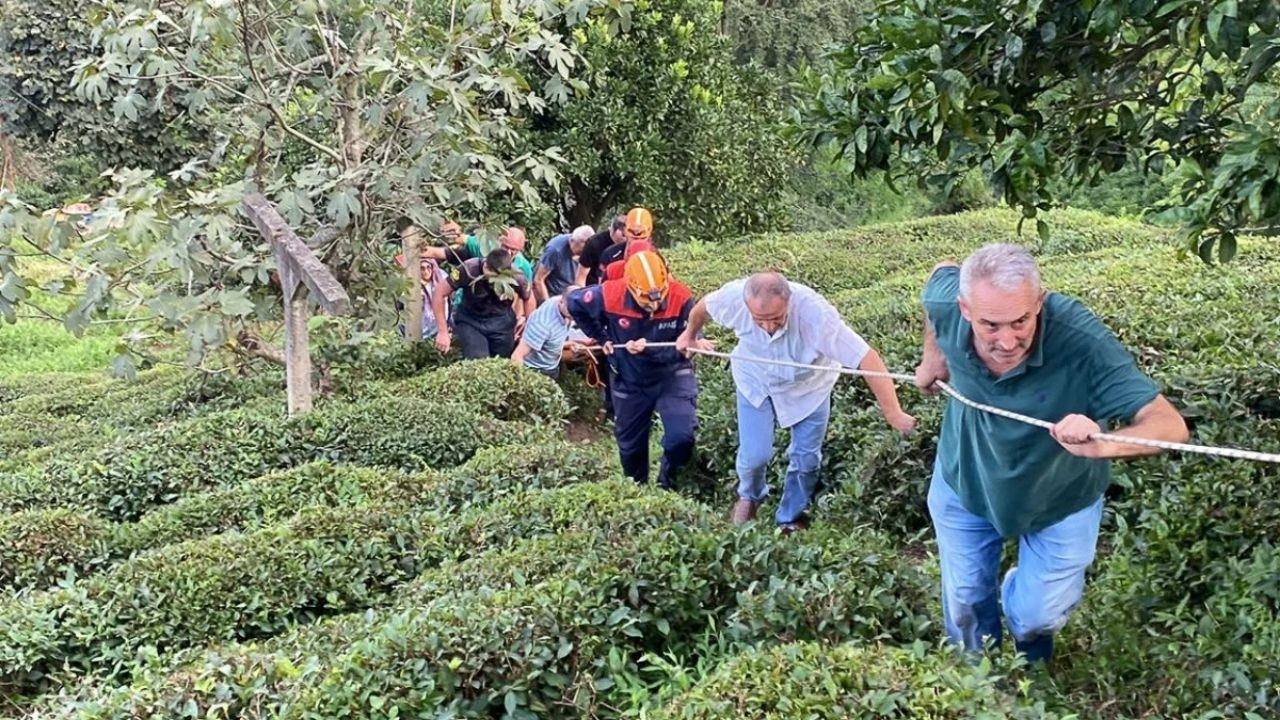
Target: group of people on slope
x=991, y=331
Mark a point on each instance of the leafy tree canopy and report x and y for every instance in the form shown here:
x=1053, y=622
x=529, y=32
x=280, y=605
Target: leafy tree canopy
x=1037, y=91
x=357, y=115
x=667, y=119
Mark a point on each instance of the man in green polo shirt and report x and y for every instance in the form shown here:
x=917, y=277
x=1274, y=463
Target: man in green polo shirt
x=464, y=247
x=998, y=338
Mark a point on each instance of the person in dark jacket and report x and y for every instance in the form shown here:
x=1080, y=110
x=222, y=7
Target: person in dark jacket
x=485, y=321
x=623, y=316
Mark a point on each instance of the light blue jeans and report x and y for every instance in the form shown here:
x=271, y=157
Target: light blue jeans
x=1037, y=595
x=755, y=450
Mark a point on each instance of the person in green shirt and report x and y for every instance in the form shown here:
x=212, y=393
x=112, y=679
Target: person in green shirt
x=466, y=247
x=996, y=336
x=462, y=248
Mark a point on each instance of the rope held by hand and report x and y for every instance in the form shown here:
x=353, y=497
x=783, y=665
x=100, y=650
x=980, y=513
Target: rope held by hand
x=1234, y=453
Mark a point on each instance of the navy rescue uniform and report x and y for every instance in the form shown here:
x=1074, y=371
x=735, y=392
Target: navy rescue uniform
x=658, y=379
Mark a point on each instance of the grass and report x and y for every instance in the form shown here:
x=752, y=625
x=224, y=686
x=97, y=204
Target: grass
x=34, y=346
x=45, y=346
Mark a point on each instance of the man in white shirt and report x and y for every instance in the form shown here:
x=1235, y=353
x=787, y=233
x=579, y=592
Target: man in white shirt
x=779, y=320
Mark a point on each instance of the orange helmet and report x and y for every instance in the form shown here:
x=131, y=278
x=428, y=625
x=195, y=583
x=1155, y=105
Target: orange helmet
x=639, y=224
x=646, y=276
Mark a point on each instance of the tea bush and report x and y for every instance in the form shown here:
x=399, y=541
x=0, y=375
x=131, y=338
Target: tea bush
x=40, y=547
x=44, y=546
x=618, y=517
x=552, y=649
x=266, y=500
x=843, y=583
x=809, y=680
x=494, y=386
x=241, y=586
x=155, y=396
x=490, y=474
x=543, y=627
x=831, y=262
x=152, y=468
x=220, y=588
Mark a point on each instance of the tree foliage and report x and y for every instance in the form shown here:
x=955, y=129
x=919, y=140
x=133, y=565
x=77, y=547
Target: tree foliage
x=1033, y=91
x=665, y=118
x=786, y=35
x=354, y=115
x=43, y=43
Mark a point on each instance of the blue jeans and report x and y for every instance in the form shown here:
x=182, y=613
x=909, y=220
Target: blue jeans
x=755, y=450
x=1037, y=595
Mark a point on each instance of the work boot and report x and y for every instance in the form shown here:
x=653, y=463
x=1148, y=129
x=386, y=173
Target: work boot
x=744, y=511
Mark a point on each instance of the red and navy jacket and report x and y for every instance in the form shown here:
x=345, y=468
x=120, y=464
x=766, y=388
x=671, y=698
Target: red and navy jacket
x=607, y=313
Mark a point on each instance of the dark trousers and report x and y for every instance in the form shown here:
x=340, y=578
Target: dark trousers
x=676, y=402
x=485, y=337
x=606, y=377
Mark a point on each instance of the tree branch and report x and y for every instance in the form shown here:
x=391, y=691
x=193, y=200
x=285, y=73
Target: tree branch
x=262, y=88
x=253, y=345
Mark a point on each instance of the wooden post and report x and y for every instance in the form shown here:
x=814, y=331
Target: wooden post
x=411, y=237
x=300, y=271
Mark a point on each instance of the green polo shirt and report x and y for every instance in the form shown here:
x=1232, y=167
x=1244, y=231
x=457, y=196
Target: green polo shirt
x=473, y=249
x=1015, y=475
x=521, y=263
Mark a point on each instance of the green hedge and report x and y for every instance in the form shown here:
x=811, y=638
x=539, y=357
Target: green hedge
x=846, y=582
x=267, y=500
x=67, y=401
x=241, y=586
x=852, y=259
x=41, y=547
x=814, y=681
x=26, y=431
x=490, y=474
x=221, y=588
x=494, y=386
x=553, y=649
x=1215, y=656
x=546, y=627
x=567, y=524
x=496, y=471
x=125, y=480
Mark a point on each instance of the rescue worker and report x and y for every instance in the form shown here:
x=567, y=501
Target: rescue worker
x=636, y=236
x=623, y=316
x=638, y=229
x=589, y=260
x=466, y=247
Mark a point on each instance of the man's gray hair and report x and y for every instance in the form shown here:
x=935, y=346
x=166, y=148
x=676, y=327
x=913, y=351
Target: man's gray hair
x=582, y=233
x=1003, y=265
x=768, y=285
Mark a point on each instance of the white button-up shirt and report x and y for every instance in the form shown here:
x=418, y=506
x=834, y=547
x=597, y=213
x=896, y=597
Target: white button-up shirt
x=814, y=334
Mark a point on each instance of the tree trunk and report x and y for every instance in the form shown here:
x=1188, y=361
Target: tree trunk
x=411, y=237
x=587, y=203
x=9, y=171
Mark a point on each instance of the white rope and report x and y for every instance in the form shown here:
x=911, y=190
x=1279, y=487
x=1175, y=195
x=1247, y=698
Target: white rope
x=1235, y=453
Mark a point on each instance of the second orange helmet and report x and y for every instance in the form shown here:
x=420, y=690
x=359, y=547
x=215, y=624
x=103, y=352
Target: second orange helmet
x=639, y=224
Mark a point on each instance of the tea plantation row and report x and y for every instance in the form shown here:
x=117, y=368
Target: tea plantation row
x=426, y=544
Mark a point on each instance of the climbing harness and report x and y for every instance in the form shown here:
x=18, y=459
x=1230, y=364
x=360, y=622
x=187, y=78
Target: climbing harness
x=1234, y=453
